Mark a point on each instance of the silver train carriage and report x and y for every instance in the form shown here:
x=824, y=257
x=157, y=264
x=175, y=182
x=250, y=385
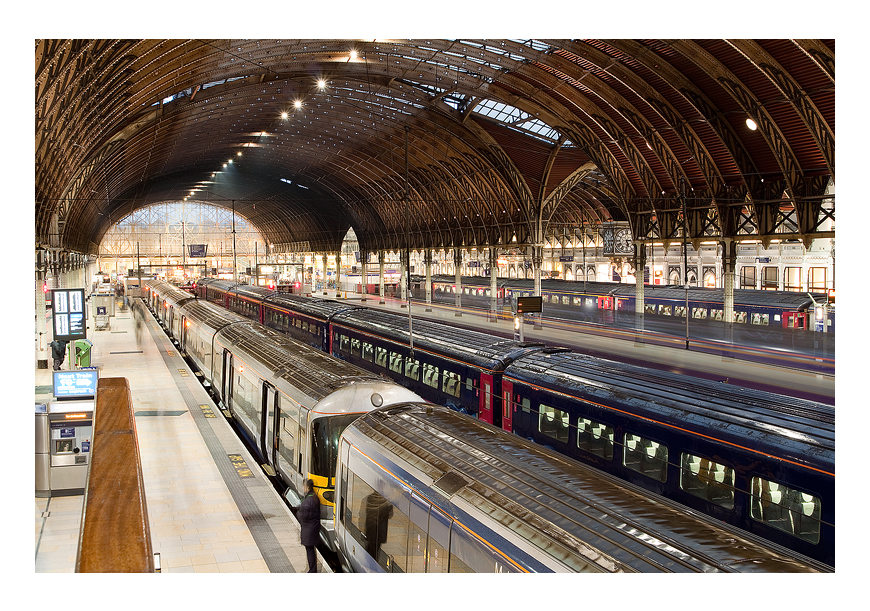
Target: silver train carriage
x=425, y=489
x=289, y=400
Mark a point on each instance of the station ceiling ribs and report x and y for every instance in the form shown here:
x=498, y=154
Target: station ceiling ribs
x=509, y=142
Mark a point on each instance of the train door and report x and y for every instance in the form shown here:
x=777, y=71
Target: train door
x=227, y=378
x=182, y=334
x=486, y=390
x=438, y=548
x=507, y=419
x=268, y=425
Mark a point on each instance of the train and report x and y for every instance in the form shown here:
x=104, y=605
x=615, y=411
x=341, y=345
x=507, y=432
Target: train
x=289, y=401
x=756, y=460
x=604, y=301
x=425, y=489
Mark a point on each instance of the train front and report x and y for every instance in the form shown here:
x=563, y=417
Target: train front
x=327, y=420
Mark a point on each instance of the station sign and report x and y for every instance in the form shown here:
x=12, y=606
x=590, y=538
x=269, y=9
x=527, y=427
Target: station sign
x=75, y=384
x=68, y=314
x=197, y=251
x=527, y=305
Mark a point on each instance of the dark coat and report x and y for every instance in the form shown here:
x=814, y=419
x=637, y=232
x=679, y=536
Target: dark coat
x=58, y=349
x=309, y=519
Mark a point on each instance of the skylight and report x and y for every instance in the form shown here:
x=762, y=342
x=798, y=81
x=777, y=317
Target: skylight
x=518, y=120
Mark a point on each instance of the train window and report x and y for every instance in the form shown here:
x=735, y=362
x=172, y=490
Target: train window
x=716, y=315
x=367, y=352
x=344, y=344
x=787, y=509
x=760, y=319
x=664, y=310
x=452, y=383
x=396, y=362
x=740, y=317
x=680, y=311
x=699, y=313
x=595, y=438
x=469, y=384
x=430, y=375
x=708, y=480
x=381, y=356
x=412, y=369
x=355, y=346
x=649, y=308
x=553, y=423
x=527, y=405
x=646, y=456
x=305, y=325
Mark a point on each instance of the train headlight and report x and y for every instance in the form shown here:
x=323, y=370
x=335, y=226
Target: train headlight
x=377, y=400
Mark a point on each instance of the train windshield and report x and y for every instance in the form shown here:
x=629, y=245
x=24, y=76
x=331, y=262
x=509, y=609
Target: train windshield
x=324, y=443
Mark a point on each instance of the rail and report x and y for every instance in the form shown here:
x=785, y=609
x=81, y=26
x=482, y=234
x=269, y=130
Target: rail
x=115, y=537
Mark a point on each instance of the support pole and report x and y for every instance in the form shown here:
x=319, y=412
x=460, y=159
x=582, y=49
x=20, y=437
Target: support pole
x=493, y=283
x=457, y=263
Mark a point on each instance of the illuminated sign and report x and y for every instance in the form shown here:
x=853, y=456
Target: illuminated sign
x=197, y=250
x=529, y=304
x=68, y=314
x=75, y=384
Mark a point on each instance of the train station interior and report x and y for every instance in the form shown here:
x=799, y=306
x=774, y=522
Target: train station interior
x=664, y=204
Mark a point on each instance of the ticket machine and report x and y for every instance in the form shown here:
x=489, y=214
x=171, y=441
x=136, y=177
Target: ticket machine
x=69, y=431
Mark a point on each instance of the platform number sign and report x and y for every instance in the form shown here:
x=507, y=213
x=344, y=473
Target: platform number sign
x=68, y=314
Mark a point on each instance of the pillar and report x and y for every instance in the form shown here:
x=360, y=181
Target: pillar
x=639, y=267
x=364, y=259
x=537, y=263
x=381, y=256
x=457, y=262
x=403, y=270
x=493, y=283
x=729, y=264
x=428, y=261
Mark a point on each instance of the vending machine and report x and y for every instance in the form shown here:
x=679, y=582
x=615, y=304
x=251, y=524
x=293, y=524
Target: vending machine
x=70, y=431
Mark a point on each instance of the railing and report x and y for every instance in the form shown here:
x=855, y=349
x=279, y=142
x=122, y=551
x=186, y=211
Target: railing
x=115, y=537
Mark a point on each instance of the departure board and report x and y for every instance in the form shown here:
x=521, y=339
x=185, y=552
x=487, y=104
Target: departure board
x=68, y=314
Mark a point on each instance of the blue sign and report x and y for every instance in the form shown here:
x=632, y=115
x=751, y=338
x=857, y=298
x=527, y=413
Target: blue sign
x=566, y=259
x=67, y=433
x=197, y=250
x=75, y=384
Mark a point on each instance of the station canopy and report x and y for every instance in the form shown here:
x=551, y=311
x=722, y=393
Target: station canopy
x=438, y=143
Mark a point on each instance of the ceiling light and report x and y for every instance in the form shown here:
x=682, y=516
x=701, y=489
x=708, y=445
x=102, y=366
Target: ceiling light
x=321, y=84
x=751, y=124
x=353, y=54
x=239, y=153
x=283, y=115
x=297, y=104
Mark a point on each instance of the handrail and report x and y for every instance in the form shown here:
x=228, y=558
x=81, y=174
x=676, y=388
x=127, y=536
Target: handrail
x=115, y=536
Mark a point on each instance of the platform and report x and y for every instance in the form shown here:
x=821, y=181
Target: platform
x=210, y=507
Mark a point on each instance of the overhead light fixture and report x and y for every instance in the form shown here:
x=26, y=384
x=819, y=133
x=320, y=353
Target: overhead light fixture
x=321, y=84
x=751, y=124
x=297, y=104
x=283, y=115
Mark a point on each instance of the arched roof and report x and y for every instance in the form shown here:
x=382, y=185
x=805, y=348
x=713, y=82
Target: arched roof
x=508, y=141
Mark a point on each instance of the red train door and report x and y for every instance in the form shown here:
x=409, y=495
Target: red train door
x=507, y=406
x=486, y=390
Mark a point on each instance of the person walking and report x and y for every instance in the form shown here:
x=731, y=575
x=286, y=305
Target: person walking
x=58, y=352
x=309, y=521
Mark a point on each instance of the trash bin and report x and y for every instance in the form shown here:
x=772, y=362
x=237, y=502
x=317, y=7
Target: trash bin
x=83, y=352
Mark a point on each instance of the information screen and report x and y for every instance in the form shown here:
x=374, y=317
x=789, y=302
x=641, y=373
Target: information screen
x=68, y=314
x=75, y=384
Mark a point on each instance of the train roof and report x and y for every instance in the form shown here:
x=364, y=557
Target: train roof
x=169, y=291
x=481, y=349
x=784, y=299
x=322, y=309
x=311, y=371
x=796, y=429
x=208, y=314
x=574, y=513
